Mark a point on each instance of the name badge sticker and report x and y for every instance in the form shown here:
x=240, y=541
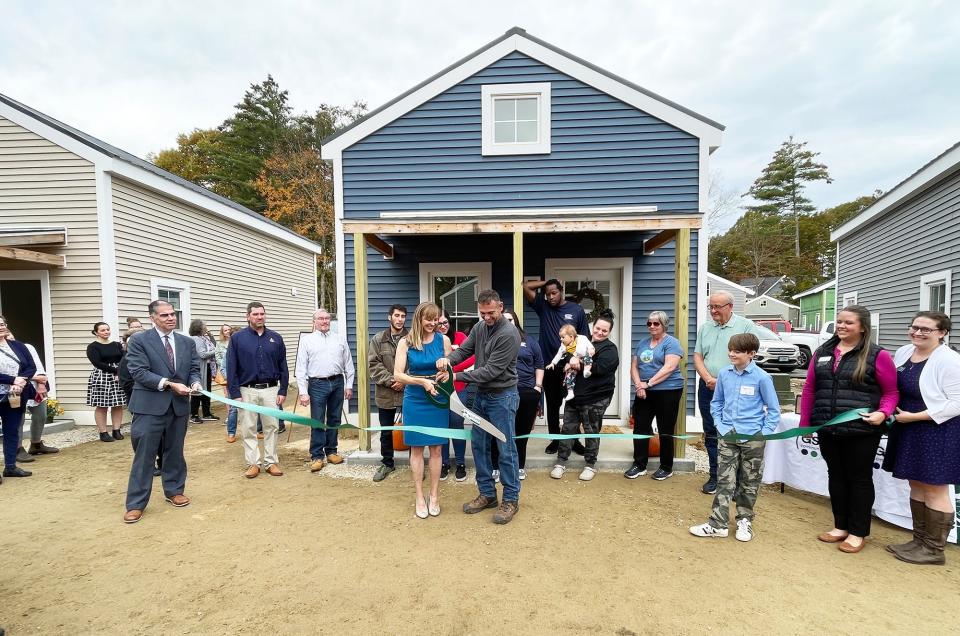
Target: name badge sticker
x=824, y=360
x=747, y=390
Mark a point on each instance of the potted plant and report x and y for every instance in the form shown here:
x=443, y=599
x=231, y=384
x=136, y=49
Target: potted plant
x=53, y=409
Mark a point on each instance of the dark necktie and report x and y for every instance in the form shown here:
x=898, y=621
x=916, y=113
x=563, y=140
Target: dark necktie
x=166, y=343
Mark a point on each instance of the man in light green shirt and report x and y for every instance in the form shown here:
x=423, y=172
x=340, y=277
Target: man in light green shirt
x=709, y=356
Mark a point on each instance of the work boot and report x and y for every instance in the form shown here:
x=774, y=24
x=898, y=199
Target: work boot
x=23, y=457
x=930, y=551
x=506, y=512
x=918, y=512
x=478, y=504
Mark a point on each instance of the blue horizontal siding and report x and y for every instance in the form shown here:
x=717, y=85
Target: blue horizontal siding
x=398, y=281
x=603, y=152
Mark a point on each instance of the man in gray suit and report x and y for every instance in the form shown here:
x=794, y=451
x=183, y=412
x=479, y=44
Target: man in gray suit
x=165, y=367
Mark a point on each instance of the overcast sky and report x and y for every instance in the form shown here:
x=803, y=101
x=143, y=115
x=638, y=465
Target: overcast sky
x=873, y=86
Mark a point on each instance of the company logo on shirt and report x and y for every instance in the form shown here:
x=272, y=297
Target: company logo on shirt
x=646, y=356
x=568, y=316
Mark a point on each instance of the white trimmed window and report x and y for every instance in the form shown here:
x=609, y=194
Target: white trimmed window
x=177, y=293
x=454, y=287
x=935, y=292
x=515, y=119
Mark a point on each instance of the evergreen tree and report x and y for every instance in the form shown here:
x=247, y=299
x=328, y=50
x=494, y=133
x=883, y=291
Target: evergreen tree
x=779, y=188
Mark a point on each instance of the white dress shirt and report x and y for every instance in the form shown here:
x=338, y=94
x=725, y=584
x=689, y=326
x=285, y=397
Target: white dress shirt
x=320, y=356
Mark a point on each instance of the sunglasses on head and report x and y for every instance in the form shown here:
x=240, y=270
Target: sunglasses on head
x=653, y=323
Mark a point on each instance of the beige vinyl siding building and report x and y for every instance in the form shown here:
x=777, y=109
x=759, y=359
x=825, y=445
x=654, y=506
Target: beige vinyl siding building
x=90, y=232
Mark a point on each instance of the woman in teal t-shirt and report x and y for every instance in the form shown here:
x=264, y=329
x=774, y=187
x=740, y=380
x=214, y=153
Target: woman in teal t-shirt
x=654, y=368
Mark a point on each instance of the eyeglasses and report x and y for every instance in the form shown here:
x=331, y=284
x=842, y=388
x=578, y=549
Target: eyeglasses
x=926, y=331
x=443, y=323
x=718, y=307
x=653, y=323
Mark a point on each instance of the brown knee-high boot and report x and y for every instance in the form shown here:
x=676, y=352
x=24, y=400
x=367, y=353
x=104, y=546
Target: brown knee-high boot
x=930, y=552
x=918, y=511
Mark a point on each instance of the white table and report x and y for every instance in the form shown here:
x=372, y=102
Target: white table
x=797, y=462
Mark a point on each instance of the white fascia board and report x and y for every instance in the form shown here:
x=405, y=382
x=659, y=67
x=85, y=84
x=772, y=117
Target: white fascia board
x=772, y=299
x=901, y=193
x=814, y=290
x=165, y=186
x=725, y=281
x=711, y=135
x=52, y=134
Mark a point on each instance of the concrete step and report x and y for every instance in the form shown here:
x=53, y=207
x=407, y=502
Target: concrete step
x=58, y=425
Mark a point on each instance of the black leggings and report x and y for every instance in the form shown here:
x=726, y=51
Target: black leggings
x=663, y=405
x=197, y=400
x=523, y=424
x=850, y=460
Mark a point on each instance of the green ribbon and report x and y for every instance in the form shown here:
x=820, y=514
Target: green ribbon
x=458, y=433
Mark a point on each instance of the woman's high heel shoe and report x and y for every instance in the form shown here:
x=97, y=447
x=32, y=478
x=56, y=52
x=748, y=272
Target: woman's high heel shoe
x=421, y=512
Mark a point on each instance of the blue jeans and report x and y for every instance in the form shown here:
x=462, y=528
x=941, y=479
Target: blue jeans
x=710, y=434
x=231, y=420
x=326, y=402
x=12, y=421
x=500, y=409
x=467, y=396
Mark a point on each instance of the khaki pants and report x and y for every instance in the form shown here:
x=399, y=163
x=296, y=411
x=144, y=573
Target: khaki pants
x=248, y=426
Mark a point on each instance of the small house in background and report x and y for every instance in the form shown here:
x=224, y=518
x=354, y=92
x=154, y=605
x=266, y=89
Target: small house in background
x=92, y=233
x=766, y=307
x=817, y=305
x=902, y=254
x=765, y=285
x=739, y=292
x=522, y=160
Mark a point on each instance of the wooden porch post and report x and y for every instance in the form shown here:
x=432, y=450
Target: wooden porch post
x=363, y=379
x=518, y=276
x=682, y=315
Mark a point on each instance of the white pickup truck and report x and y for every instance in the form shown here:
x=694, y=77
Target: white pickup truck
x=808, y=341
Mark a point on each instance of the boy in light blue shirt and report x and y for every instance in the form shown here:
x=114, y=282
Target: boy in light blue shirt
x=745, y=403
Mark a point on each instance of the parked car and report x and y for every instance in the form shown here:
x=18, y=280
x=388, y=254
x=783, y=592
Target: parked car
x=777, y=326
x=809, y=341
x=776, y=354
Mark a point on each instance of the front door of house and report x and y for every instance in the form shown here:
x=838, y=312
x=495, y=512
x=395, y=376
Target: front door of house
x=606, y=283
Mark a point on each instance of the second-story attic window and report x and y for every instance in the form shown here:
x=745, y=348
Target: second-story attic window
x=516, y=119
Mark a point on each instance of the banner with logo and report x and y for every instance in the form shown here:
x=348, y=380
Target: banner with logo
x=797, y=463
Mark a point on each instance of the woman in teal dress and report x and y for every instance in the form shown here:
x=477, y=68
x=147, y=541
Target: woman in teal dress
x=416, y=367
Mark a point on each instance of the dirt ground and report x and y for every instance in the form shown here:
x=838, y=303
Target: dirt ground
x=336, y=553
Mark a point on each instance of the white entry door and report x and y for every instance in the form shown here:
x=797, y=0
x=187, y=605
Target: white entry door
x=611, y=278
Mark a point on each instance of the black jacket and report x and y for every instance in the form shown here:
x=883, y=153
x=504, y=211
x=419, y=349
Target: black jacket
x=603, y=376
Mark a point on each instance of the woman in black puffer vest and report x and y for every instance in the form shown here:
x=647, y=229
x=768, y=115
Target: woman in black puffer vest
x=850, y=372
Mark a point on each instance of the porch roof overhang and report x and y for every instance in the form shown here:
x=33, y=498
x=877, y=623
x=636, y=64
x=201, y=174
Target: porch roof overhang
x=14, y=244
x=509, y=221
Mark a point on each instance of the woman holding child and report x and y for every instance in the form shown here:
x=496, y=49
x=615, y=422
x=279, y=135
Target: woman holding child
x=924, y=444
x=850, y=372
x=654, y=368
x=416, y=367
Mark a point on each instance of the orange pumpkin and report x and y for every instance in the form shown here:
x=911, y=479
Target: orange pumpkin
x=654, y=445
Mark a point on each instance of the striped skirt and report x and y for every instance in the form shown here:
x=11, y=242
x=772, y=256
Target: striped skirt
x=104, y=390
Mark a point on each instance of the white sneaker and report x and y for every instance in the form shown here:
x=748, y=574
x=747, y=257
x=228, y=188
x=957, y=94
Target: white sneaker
x=706, y=530
x=588, y=473
x=744, y=530
x=523, y=474
x=496, y=476
x=558, y=471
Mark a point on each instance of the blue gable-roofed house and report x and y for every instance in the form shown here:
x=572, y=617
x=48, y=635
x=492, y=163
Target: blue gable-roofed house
x=523, y=161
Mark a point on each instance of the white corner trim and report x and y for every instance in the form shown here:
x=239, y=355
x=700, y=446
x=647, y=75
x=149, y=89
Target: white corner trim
x=108, y=249
x=926, y=176
x=184, y=288
x=489, y=93
x=562, y=63
x=339, y=243
x=46, y=311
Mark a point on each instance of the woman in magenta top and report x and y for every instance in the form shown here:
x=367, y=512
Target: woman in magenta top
x=850, y=372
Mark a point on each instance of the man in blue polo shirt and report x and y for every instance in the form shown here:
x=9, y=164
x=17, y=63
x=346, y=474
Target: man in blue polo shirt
x=554, y=312
x=257, y=359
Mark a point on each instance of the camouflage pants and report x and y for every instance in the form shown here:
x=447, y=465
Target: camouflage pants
x=739, y=470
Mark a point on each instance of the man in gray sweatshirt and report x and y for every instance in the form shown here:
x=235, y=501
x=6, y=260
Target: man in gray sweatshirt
x=496, y=344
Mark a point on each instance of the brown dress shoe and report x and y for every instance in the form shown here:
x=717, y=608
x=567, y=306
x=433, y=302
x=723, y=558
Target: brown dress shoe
x=316, y=466
x=826, y=537
x=179, y=501
x=478, y=504
x=252, y=472
x=132, y=516
x=275, y=470
x=231, y=439
x=334, y=459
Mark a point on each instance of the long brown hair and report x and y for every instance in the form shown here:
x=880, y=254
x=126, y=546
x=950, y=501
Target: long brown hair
x=426, y=310
x=863, y=315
